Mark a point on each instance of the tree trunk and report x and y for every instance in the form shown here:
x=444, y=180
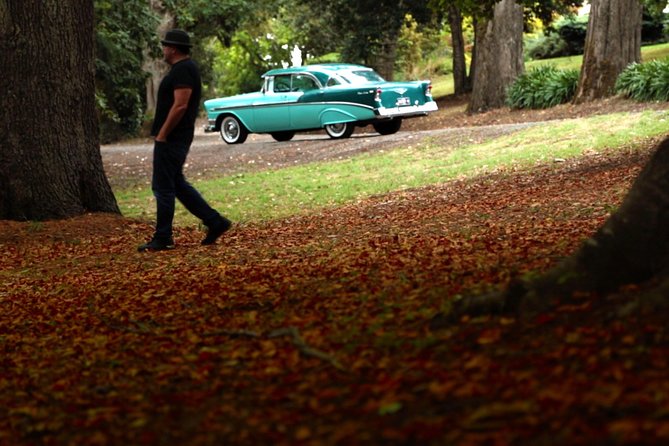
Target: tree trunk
x=632, y=247
x=157, y=68
x=50, y=163
x=385, y=59
x=613, y=41
x=461, y=82
x=499, y=46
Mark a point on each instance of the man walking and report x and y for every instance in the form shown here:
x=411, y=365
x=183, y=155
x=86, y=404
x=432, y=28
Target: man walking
x=173, y=127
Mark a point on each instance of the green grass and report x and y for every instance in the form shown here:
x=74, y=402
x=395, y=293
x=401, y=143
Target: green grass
x=443, y=86
x=308, y=188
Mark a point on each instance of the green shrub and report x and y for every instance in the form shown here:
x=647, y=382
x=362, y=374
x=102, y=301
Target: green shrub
x=542, y=87
x=565, y=38
x=546, y=46
x=645, y=81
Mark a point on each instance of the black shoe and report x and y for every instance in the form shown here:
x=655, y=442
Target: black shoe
x=216, y=230
x=156, y=245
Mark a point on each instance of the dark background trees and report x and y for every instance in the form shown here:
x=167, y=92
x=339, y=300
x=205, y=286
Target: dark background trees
x=368, y=30
x=125, y=36
x=236, y=41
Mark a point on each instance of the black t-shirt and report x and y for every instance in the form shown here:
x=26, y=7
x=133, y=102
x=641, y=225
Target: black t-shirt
x=184, y=73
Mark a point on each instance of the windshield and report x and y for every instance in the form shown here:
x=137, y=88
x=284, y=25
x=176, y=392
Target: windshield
x=361, y=77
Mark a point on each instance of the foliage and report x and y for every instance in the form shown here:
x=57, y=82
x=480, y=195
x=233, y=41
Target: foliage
x=232, y=70
x=542, y=87
x=653, y=26
x=566, y=37
x=647, y=81
x=124, y=31
x=543, y=10
x=212, y=18
x=421, y=53
x=364, y=31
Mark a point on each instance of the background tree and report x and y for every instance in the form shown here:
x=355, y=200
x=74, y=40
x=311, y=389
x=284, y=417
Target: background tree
x=50, y=163
x=125, y=35
x=613, y=41
x=493, y=20
x=369, y=29
x=462, y=81
x=236, y=41
x=129, y=61
x=499, y=51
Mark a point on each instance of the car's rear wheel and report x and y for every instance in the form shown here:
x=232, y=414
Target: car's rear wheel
x=283, y=136
x=387, y=127
x=341, y=130
x=233, y=131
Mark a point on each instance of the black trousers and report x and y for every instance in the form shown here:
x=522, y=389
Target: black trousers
x=168, y=183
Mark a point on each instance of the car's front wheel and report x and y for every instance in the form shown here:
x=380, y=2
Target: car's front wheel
x=233, y=131
x=387, y=127
x=341, y=130
x=282, y=136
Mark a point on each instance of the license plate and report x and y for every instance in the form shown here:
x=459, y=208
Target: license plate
x=403, y=101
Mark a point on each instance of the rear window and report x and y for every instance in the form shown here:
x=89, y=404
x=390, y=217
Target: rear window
x=361, y=77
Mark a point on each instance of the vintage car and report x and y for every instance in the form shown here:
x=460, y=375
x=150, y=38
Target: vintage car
x=336, y=97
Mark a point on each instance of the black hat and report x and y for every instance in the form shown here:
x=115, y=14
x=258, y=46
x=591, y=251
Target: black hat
x=176, y=37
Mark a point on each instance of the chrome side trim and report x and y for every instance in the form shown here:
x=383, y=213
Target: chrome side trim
x=284, y=104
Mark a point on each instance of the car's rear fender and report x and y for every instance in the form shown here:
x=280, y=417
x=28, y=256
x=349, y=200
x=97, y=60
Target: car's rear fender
x=414, y=93
x=346, y=113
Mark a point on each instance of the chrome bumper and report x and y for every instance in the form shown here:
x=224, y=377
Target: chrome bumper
x=408, y=110
x=210, y=126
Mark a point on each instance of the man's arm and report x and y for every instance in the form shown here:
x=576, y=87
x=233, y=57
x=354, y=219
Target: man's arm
x=179, y=107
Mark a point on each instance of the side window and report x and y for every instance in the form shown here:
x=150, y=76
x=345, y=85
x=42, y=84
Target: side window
x=332, y=82
x=282, y=84
x=302, y=82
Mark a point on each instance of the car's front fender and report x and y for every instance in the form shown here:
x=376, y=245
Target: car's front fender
x=243, y=118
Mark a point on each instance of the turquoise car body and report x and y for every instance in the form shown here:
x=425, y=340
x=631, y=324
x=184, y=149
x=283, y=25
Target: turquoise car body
x=334, y=97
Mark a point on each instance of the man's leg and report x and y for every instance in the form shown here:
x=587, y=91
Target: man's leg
x=168, y=159
x=196, y=205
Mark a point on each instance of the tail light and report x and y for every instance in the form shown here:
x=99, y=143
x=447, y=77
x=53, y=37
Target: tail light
x=377, y=98
x=428, y=91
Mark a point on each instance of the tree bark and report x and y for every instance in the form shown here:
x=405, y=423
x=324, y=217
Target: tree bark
x=613, y=41
x=384, y=61
x=157, y=68
x=499, y=50
x=461, y=82
x=50, y=162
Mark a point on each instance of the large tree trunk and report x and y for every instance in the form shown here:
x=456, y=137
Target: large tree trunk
x=461, y=82
x=632, y=247
x=613, y=41
x=50, y=163
x=499, y=46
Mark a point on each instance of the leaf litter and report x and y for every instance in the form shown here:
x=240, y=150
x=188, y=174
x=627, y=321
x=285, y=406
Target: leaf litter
x=317, y=329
